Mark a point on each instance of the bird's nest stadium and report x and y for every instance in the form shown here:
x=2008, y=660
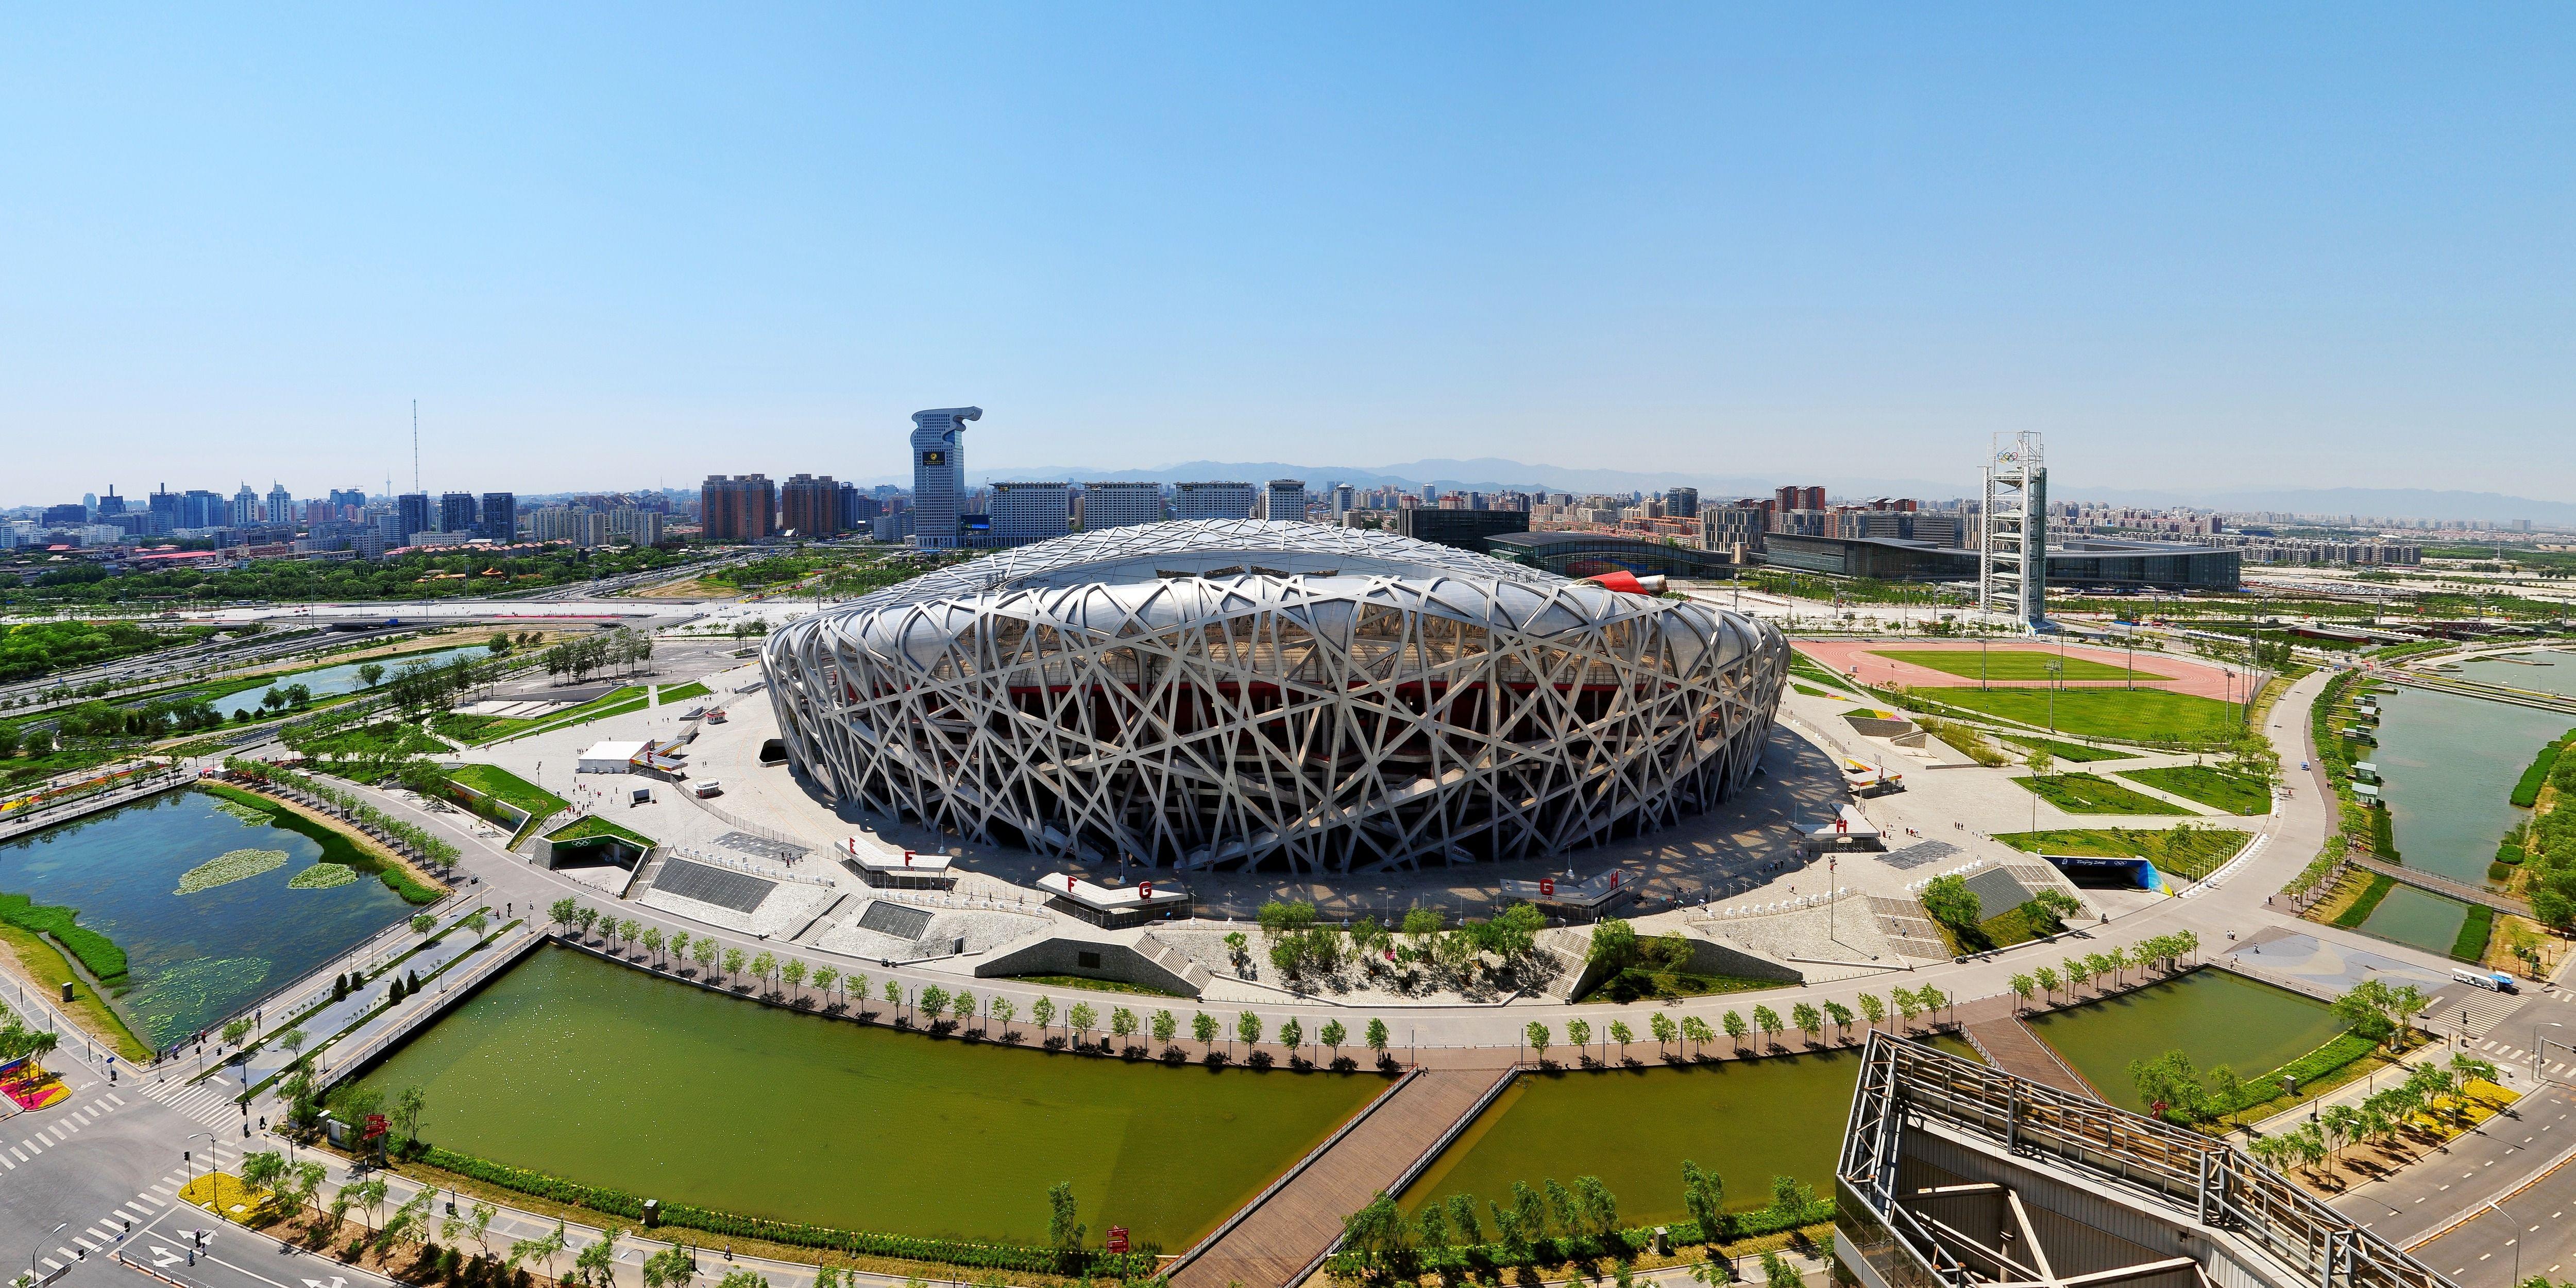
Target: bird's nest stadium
x=1237, y=693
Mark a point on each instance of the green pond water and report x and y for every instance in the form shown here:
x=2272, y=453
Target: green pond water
x=2215, y=1017
x=1746, y=1120
x=2420, y=918
x=603, y=1074
x=331, y=681
x=193, y=959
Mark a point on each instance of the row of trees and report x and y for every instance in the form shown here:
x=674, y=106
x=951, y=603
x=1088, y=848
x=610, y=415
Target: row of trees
x=2430, y=1092
x=1299, y=949
x=579, y=659
x=429, y=849
x=1380, y=1242
x=2166, y=951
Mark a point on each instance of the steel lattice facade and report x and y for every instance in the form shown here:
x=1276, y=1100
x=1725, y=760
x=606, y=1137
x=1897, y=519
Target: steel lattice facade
x=1238, y=692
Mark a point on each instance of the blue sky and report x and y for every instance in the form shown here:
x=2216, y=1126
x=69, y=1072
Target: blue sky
x=609, y=246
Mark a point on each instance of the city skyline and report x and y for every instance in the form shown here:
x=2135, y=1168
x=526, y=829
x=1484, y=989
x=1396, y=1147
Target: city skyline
x=1709, y=244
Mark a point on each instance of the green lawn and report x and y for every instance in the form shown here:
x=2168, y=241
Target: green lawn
x=683, y=693
x=2093, y=794
x=2216, y=788
x=482, y=729
x=592, y=827
x=2129, y=715
x=502, y=785
x=2192, y=852
x=2010, y=664
x=2073, y=753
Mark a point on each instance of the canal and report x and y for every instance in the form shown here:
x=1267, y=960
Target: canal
x=2211, y=1015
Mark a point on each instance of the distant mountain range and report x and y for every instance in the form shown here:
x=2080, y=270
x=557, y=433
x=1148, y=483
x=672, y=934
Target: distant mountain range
x=1491, y=474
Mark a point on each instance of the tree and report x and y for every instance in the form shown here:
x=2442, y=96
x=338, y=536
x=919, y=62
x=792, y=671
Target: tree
x=1841, y=1016
x=2022, y=986
x=1001, y=1009
x=734, y=960
x=262, y=1170
x=1776, y=1270
x=1203, y=1027
x=477, y=1225
x=1064, y=1232
x=1122, y=1023
x=371, y=674
x=408, y=1105
x=1696, y=1032
x=1081, y=1019
x=652, y=941
x=1247, y=1027
x=1623, y=1035
x=1599, y=1208
x=1042, y=1011
x=2077, y=972
x=1165, y=1027
x=1906, y=1005
x=1809, y=1020
x=825, y=977
x=1950, y=902
x=1872, y=1009
x=1333, y=1035
x=1292, y=1035
x=1661, y=1026
x=597, y=1263
x=1614, y=944
x=962, y=1004
x=544, y=1248
x=764, y=966
x=1535, y=1034
x=704, y=954
x=565, y=912
x=1377, y=1233
x=894, y=994
x=1735, y=1028
x=680, y=944
x=1578, y=1034
x=1931, y=999
x=2040, y=762
x=672, y=1267
x=794, y=972
x=1768, y=1020
x=932, y=1002
x=1704, y=1197
x=2046, y=976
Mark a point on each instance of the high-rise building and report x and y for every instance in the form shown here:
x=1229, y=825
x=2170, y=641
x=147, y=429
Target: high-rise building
x=352, y=496
x=809, y=506
x=457, y=513
x=110, y=505
x=411, y=515
x=1120, y=505
x=500, y=517
x=1344, y=501
x=939, y=474
x=246, y=511
x=1724, y=527
x=69, y=513
x=1030, y=512
x=563, y=523
x=858, y=509
x=1284, y=501
x=1212, y=500
x=643, y=527
x=741, y=508
x=1682, y=503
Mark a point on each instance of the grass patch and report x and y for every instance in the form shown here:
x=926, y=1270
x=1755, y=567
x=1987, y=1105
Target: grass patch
x=321, y=876
x=1813, y=693
x=2344, y=1058
x=2526, y=792
x=228, y=867
x=692, y=689
x=1096, y=985
x=2124, y=715
x=2368, y=903
x=1808, y=668
x=46, y=965
x=336, y=845
x=502, y=785
x=592, y=827
x=2471, y=946
x=2010, y=664
x=2074, y=753
x=2019, y=926
x=2094, y=794
x=1640, y=984
x=98, y=954
x=383, y=738
x=2189, y=852
x=2216, y=788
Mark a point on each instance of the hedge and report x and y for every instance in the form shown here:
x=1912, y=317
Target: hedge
x=2383, y=835
x=2472, y=943
x=1137, y=1264
x=98, y=954
x=2368, y=903
x=1618, y=1245
x=2526, y=792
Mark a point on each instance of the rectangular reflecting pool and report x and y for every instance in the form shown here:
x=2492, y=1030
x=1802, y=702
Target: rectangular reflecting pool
x=1746, y=1120
x=2213, y=1016
x=604, y=1074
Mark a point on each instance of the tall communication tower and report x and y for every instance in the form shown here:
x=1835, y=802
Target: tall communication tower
x=2012, y=551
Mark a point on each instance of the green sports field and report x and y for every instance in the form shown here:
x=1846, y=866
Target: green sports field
x=2010, y=664
x=2131, y=715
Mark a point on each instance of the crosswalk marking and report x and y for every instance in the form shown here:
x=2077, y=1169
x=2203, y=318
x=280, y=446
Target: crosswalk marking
x=120, y=1100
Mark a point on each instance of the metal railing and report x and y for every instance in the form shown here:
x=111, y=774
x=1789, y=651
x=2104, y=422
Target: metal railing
x=2192, y=1177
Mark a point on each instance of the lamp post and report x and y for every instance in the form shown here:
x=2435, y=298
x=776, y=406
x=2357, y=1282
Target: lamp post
x=2516, y=1240
x=40, y=1247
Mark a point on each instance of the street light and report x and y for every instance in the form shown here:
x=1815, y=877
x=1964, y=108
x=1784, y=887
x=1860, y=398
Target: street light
x=40, y=1247
x=2516, y=1240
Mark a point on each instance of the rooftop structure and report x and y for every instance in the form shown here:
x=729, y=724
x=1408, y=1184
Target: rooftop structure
x=1245, y=693
x=1954, y=1175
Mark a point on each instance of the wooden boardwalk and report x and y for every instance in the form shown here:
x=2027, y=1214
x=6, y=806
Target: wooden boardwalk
x=2017, y=1051
x=1273, y=1242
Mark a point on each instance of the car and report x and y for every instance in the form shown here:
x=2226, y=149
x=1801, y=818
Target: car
x=705, y=787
